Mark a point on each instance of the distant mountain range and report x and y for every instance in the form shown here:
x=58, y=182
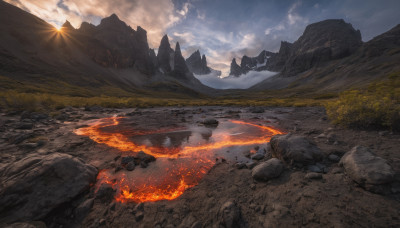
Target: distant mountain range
x=329, y=56
x=113, y=59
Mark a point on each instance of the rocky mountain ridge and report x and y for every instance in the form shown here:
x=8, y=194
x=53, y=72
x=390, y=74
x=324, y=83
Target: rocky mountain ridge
x=247, y=64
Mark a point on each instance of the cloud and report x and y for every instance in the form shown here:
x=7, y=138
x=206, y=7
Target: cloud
x=156, y=16
x=243, y=82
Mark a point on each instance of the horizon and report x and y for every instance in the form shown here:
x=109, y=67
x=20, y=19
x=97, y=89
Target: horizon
x=221, y=33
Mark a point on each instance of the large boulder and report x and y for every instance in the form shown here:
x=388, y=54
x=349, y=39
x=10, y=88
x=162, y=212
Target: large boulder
x=295, y=150
x=32, y=187
x=365, y=168
x=230, y=216
x=267, y=170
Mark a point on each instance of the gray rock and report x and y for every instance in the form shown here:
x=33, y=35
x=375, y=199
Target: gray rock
x=230, y=215
x=105, y=193
x=257, y=156
x=130, y=166
x=143, y=157
x=333, y=158
x=240, y=165
x=267, y=170
x=83, y=209
x=34, y=186
x=295, y=150
x=126, y=160
x=210, y=121
x=365, y=168
x=25, y=126
x=251, y=165
x=314, y=176
x=315, y=169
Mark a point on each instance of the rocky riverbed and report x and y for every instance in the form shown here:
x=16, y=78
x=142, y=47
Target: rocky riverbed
x=316, y=175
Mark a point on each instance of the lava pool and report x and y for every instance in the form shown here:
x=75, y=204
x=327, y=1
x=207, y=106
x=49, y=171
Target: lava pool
x=184, y=153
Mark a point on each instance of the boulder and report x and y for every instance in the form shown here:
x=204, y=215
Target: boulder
x=34, y=186
x=230, y=216
x=365, y=168
x=267, y=170
x=295, y=150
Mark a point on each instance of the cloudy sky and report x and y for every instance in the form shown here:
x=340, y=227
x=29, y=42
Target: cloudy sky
x=222, y=29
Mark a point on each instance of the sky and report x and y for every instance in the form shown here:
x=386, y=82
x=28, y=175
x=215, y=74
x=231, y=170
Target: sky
x=222, y=29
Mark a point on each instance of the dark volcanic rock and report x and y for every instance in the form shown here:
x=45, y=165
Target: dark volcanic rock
x=34, y=186
x=165, y=55
x=365, y=168
x=295, y=150
x=230, y=216
x=198, y=64
x=321, y=42
x=268, y=170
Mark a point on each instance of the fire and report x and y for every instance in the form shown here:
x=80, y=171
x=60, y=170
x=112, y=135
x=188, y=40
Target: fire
x=176, y=168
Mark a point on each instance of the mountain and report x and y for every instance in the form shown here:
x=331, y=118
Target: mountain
x=331, y=57
x=247, y=64
x=110, y=58
x=198, y=64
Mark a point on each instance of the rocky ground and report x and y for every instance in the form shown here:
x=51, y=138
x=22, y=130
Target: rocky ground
x=318, y=175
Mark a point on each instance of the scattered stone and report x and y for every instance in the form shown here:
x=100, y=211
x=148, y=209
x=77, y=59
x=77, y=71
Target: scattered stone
x=105, y=193
x=143, y=165
x=314, y=176
x=365, y=168
x=246, y=153
x=295, y=150
x=240, y=165
x=139, y=216
x=24, y=126
x=58, y=177
x=130, y=166
x=142, y=156
x=251, y=165
x=83, y=209
x=333, y=158
x=230, y=215
x=126, y=160
x=257, y=156
x=256, y=110
x=93, y=109
x=314, y=168
x=210, y=122
x=267, y=170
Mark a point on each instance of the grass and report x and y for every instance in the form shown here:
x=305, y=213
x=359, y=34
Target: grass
x=374, y=107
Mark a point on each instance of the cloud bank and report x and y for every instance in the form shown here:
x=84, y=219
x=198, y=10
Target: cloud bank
x=245, y=81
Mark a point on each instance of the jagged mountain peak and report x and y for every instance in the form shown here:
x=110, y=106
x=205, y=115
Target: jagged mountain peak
x=67, y=26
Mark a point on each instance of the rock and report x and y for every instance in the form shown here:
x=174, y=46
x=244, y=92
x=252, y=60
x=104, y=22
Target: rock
x=267, y=170
x=246, y=153
x=230, y=215
x=295, y=150
x=143, y=164
x=333, y=158
x=142, y=156
x=257, y=156
x=83, y=209
x=314, y=176
x=365, y=168
x=93, y=108
x=240, y=165
x=130, y=166
x=210, y=122
x=315, y=169
x=105, y=193
x=257, y=110
x=35, y=185
x=127, y=159
x=251, y=165
x=24, y=126
x=139, y=216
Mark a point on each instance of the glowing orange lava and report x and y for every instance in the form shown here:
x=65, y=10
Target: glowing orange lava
x=176, y=168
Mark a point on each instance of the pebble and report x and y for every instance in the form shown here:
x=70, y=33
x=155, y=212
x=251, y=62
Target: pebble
x=314, y=176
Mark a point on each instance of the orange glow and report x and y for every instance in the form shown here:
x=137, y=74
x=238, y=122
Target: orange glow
x=188, y=166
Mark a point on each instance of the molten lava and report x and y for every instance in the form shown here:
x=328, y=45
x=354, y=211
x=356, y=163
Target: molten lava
x=177, y=168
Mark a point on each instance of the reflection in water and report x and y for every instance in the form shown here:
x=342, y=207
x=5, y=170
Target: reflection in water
x=184, y=154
